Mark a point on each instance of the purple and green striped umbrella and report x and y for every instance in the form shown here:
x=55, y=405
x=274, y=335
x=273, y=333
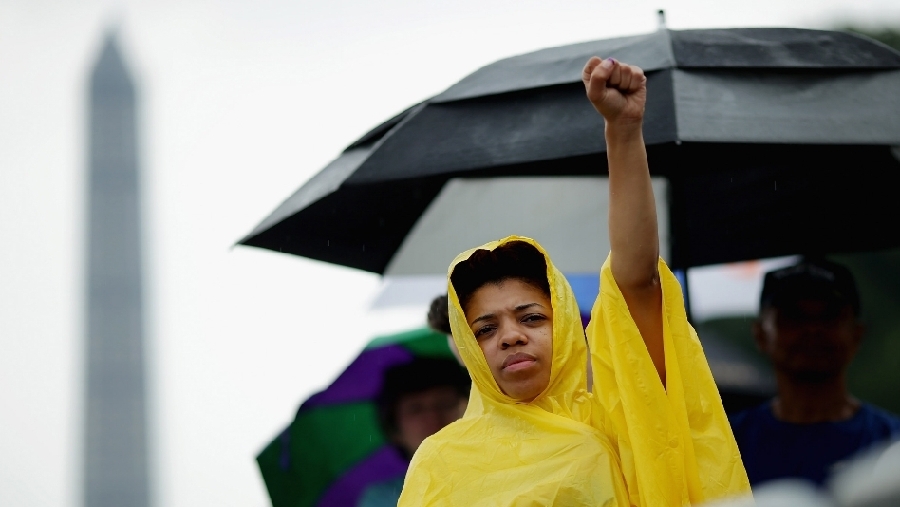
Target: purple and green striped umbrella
x=334, y=448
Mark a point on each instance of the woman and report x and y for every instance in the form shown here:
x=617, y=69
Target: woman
x=649, y=431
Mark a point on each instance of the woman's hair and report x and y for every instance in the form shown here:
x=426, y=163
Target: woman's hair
x=514, y=260
x=438, y=316
x=416, y=376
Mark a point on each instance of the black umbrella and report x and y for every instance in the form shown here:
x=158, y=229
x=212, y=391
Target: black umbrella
x=772, y=142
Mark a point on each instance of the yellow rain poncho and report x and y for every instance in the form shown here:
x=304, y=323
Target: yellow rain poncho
x=627, y=441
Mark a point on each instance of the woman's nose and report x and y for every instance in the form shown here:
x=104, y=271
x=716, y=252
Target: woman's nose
x=511, y=336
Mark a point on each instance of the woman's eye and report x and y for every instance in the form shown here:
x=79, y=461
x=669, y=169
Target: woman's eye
x=483, y=331
x=533, y=317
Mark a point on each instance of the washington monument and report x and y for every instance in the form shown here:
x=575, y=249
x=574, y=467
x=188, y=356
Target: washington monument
x=115, y=415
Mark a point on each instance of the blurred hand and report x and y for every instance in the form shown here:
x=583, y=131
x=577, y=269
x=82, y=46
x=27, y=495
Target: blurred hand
x=617, y=91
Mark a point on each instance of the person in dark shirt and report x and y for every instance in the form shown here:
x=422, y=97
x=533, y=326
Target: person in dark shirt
x=809, y=328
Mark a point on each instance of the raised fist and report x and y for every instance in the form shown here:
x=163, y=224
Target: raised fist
x=617, y=91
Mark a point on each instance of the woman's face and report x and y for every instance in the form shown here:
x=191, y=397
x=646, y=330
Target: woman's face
x=513, y=323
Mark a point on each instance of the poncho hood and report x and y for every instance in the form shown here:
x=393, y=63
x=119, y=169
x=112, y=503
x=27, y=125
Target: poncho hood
x=566, y=394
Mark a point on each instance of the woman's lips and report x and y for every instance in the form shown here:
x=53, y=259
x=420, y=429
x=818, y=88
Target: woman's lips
x=518, y=361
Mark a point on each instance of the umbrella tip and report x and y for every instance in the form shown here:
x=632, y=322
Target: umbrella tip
x=661, y=18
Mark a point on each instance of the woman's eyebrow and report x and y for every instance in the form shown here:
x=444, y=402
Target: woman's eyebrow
x=519, y=308
x=486, y=316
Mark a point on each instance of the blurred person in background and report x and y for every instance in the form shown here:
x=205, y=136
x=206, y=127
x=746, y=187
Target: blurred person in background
x=809, y=327
x=417, y=399
x=439, y=320
x=439, y=317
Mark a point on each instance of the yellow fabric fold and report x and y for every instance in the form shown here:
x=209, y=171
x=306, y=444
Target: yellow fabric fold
x=630, y=442
x=674, y=442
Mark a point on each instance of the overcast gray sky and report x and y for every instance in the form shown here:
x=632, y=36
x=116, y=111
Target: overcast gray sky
x=241, y=103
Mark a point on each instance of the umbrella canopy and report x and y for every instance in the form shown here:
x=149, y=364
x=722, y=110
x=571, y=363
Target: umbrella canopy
x=334, y=447
x=772, y=141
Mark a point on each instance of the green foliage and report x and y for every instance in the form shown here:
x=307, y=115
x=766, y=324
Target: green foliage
x=737, y=332
x=875, y=373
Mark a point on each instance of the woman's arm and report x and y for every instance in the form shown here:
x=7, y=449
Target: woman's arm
x=619, y=92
